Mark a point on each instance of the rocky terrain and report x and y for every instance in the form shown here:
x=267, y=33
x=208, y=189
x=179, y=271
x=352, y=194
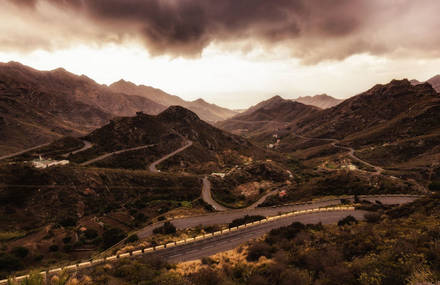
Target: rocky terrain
x=434, y=81
x=322, y=101
x=207, y=112
x=44, y=105
x=267, y=116
x=212, y=148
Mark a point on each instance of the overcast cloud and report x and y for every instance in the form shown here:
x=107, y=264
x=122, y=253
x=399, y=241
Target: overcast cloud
x=312, y=30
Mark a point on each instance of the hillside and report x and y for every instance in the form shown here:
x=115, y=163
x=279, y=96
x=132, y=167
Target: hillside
x=44, y=105
x=434, y=81
x=267, y=116
x=322, y=101
x=206, y=111
x=396, y=110
x=395, y=126
x=168, y=131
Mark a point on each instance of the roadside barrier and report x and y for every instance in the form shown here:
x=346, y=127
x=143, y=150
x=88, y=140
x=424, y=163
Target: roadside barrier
x=93, y=262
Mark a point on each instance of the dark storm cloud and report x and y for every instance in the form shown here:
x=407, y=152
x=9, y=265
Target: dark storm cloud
x=312, y=29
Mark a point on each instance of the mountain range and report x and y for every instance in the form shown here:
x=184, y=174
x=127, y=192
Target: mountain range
x=39, y=106
x=270, y=114
x=434, y=81
x=207, y=112
x=322, y=101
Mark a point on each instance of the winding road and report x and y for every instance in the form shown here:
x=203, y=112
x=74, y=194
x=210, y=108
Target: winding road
x=216, y=244
x=227, y=217
x=104, y=156
x=153, y=168
x=334, y=143
x=87, y=145
x=23, y=151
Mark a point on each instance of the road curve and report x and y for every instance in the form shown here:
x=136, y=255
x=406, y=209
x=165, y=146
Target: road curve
x=227, y=217
x=197, y=250
x=207, y=196
x=23, y=151
x=87, y=145
x=334, y=143
x=104, y=156
x=153, y=168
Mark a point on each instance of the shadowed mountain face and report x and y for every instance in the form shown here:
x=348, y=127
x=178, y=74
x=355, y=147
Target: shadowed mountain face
x=38, y=106
x=174, y=123
x=434, y=81
x=206, y=111
x=398, y=107
x=322, y=101
x=167, y=132
x=267, y=116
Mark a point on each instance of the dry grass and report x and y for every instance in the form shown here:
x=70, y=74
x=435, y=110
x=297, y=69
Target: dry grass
x=230, y=258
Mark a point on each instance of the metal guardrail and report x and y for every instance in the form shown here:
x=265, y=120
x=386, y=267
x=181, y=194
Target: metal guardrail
x=93, y=262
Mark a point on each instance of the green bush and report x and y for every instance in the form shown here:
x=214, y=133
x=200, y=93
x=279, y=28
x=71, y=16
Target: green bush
x=245, y=220
x=20, y=252
x=9, y=263
x=53, y=248
x=434, y=186
x=349, y=220
x=112, y=236
x=166, y=229
x=90, y=233
x=132, y=238
x=257, y=250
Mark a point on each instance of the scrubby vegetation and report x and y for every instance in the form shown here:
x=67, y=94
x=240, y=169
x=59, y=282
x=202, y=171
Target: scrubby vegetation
x=68, y=213
x=341, y=183
x=397, y=246
x=243, y=186
x=245, y=220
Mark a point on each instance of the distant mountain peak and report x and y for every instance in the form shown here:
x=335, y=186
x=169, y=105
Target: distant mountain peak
x=200, y=101
x=178, y=113
x=322, y=101
x=433, y=81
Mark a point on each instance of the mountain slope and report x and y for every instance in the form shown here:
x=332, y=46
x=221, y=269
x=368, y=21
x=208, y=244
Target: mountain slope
x=212, y=148
x=206, y=111
x=399, y=107
x=434, y=81
x=395, y=126
x=322, y=101
x=78, y=88
x=38, y=106
x=267, y=116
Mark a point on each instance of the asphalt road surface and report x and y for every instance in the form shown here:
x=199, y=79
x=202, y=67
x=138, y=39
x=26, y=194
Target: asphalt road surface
x=228, y=216
x=86, y=146
x=207, y=196
x=104, y=156
x=23, y=151
x=157, y=162
x=197, y=250
x=334, y=143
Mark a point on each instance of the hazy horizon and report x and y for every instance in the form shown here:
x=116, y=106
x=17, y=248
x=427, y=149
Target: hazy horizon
x=231, y=54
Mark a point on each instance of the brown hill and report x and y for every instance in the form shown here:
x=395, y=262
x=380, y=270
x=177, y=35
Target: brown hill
x=396, y=126
x=322, y=101
x=206, y=111
x=267, y=116
x=398, y=107
x=38, y=106
x=168, y=131
x=434, y=81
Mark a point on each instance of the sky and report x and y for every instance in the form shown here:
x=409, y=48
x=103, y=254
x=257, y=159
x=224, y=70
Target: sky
x=234, y=53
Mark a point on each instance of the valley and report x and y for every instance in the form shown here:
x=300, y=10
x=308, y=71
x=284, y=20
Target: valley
x=148, y=177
